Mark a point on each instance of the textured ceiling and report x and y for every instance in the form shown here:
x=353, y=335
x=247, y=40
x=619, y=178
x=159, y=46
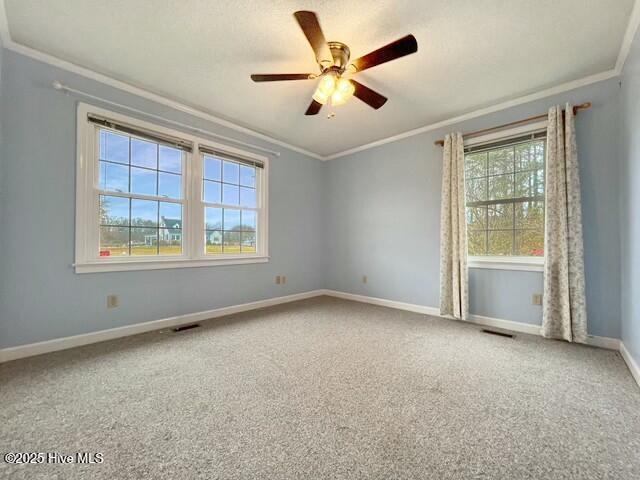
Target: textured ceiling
x=471, y=54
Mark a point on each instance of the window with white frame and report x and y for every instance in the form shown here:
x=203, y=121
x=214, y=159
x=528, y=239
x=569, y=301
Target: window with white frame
x=231, y=208
x=505, y=185
x=152, y=197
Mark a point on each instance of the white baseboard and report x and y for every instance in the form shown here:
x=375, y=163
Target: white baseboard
x=595, y=341
x=29, y=350
x=383, y=302
x=634, y=368
x=412, y=307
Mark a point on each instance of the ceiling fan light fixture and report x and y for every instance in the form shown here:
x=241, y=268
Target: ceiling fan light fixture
x=333, y=59
x=326, y=87
x=343, y=92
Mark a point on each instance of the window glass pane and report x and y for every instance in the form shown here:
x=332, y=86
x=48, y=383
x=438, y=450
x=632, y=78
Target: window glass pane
x=231, y=219
x=530, y=215
x=230, y=242
x=476, y=218
x=248, y=197
x=213, y=240
x=501, y=161
x=248, y=220
x=170, y=233
x=143, y=181
x=530, y=184
x=213, y=218
x=170, y=159
x=247, y=176
x=530, y=155
x=530, y=243
x=114, y=241
x=114, y=147
x=230, y=194
x=144, y=154
x=144, y=213
x=500, y=187
x=500, y=217
x=114, y=210
x=170, y=214
x=212, y=192
x=114, y=177
x=144, y=241
x=500, y=242
x=477, y=242
x=248, y=242
x=212, y=168
x=476, y=165
x=169, y=185
x=230, y=172
x=170, y=241
x=476, y=190
x=511, y=172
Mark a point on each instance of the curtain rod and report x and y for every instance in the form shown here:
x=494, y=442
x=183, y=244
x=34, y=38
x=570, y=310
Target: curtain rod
x=477, y=133
x=65, y=88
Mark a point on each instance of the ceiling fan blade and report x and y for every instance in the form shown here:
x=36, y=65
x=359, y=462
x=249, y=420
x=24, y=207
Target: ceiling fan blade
x=368, y=96
x=314, y=108
x=308, y=21
x=401, y=47
x=276, y=77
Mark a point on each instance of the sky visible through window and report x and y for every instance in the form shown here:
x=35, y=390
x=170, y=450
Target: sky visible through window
x=134, y=167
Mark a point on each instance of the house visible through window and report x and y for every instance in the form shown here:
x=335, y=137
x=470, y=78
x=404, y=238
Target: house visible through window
x=141, y=193
x=230, y=197
x=149, y=194
x=505, y=197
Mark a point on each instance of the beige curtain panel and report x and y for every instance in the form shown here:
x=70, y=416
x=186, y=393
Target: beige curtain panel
x=454, y=277
x=564, y=313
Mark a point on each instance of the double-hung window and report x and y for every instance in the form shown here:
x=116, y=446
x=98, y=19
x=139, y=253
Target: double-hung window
x=505, y=185
x=149, y=197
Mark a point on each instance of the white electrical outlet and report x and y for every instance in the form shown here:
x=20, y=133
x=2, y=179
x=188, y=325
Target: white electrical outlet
x=278, y=281
x=284, y=279
x=113, y=301
x=536, y=299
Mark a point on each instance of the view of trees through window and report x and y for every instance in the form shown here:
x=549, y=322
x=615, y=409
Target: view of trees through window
x=505, y=198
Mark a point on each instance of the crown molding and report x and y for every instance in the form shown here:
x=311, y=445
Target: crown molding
x=632, y=27
x=565, y=87
x=9, y=44
x=629, y=35
x=5, y=38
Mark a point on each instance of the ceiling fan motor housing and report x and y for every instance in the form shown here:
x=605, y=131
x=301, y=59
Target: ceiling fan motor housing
x=340, y=53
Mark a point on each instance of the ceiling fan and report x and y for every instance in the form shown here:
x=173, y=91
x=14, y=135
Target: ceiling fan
x=333, y=60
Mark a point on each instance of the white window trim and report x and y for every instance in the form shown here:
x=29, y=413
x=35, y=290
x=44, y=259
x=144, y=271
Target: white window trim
x=193, y=208
x=529, y=264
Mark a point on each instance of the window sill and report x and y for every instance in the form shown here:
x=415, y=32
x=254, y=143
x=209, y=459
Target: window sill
x=527, y=264
x=156, y=264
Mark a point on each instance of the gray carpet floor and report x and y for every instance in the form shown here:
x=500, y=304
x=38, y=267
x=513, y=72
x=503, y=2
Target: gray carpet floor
x=328, y=389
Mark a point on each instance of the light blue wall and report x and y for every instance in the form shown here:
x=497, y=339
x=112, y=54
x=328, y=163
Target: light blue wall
x=42, y=298
x=384, y=218
x=374, y=213
x=630, y=201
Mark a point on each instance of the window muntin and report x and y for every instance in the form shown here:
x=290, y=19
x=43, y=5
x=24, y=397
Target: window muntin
x=505, y=198
x=140, y=192
x=230, y=195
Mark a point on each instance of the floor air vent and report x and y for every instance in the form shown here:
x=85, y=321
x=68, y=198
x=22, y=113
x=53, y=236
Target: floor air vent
x=186, y=327
x=501, y=334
